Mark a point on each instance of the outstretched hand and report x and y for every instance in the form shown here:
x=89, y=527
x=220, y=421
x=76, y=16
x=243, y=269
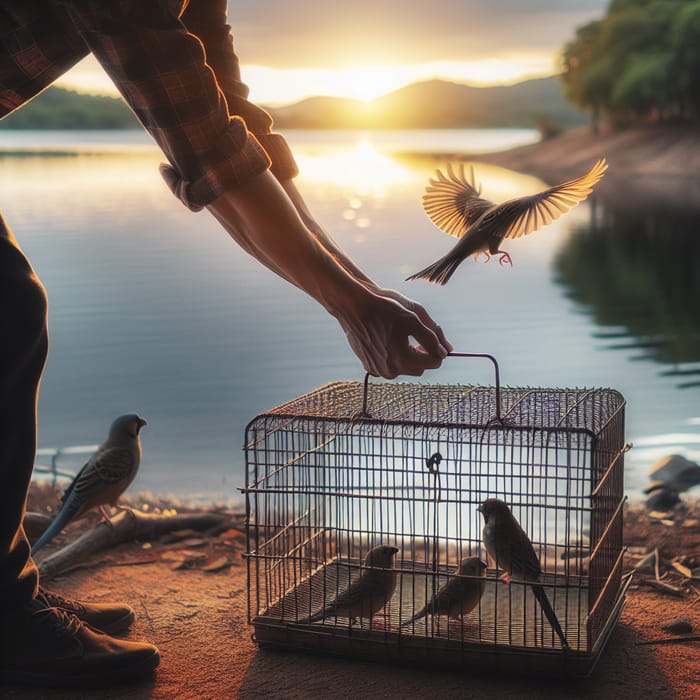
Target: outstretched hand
x=389, y=333
x=381, y=335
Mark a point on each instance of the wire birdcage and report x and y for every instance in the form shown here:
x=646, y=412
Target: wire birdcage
x=353, y=465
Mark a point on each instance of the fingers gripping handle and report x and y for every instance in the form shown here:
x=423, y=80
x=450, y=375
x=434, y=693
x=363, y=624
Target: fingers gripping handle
x=486, y=356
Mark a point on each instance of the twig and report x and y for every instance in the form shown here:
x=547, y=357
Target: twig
x=123, y=527
x=663, y=587
x=670, y=640
x=147, y=613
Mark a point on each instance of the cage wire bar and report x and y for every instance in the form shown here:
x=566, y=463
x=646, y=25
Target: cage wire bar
x=349, y=466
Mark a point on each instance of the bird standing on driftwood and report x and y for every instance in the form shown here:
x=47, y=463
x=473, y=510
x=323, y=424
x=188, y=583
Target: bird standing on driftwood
x=512, y=550
x=454, y=204
x=103, y=479
x=460, y=595
x=369, y=593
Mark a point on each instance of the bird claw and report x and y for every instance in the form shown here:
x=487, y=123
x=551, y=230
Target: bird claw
x=105, y=516
x=505, y=258
x=381, y=624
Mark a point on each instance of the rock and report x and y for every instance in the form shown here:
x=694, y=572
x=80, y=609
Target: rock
x=662, y=499
x=675, y=472
x=678, y=626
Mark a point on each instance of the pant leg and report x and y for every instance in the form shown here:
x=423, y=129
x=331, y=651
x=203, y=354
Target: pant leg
x=23, y=349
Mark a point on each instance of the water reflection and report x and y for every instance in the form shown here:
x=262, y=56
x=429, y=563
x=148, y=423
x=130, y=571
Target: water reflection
x=153, y=309
x=636, y=267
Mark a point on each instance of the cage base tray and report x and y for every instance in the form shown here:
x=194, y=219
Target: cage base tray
x=433, y=642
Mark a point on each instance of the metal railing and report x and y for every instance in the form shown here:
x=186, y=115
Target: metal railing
x=48, y=460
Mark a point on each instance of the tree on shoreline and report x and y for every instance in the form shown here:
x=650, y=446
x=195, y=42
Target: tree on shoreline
x=640, y=63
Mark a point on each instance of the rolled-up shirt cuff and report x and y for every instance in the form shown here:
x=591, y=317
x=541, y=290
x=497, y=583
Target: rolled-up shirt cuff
x=232, y=162
x=283, y=166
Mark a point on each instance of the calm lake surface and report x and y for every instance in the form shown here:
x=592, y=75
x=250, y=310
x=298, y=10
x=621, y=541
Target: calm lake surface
x=153, y=309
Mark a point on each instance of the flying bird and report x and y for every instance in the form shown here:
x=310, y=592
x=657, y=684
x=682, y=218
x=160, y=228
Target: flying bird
x=460, y=595
x=454, y=204
x=512, y=550
x=103, y=478
x=369, y=593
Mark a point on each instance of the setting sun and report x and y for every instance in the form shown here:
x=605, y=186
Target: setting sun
x=273, y=86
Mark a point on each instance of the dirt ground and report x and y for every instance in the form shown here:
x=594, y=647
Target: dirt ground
x=198, y=619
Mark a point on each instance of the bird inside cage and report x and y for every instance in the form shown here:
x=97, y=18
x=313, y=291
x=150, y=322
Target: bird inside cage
x=510, y=547
x=459, y=595
x=368, y=594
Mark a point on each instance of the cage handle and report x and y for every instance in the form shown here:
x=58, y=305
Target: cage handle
x=484, y=355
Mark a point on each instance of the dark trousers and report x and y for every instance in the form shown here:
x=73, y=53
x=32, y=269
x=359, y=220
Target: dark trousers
x=23, y=348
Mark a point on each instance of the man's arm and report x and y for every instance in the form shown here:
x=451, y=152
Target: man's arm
x=263, y=220
x=331, y=246
x=161, y=70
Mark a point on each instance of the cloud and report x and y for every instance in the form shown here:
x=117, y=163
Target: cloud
x=301, y=33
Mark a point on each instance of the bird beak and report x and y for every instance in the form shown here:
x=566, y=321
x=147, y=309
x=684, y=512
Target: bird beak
x=141, y=422
x=479, y=509
x=394, y=550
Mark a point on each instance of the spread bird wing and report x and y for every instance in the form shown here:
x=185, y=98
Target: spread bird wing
x=519, y=217
x=453, y=201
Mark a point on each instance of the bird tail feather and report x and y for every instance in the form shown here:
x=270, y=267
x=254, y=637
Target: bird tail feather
x=322, y=614
x=440, y=271
x=541, y=596
x=417, y=616
x=65, y=515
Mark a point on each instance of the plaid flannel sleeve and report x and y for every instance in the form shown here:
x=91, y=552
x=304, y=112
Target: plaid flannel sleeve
x=161, y=70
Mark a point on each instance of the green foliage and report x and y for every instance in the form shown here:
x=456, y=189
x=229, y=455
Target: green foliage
x=56, y=108
x=641, y=62
x=636, y=268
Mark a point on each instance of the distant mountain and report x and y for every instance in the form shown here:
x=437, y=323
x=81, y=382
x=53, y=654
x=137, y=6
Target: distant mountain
x=57, y=108
x=438, y=104
x=434, y=104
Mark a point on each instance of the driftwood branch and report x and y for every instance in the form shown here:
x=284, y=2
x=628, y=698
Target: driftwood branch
x=124, y=527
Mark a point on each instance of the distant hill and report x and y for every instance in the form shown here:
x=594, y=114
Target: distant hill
x=439, y=104
x=434, y=104
x=57, y=108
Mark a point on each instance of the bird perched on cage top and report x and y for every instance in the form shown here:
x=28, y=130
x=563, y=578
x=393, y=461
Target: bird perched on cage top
x=454, y=204
x=460, y=595
x=511, y=548
x=366, y=596
x=103, y=478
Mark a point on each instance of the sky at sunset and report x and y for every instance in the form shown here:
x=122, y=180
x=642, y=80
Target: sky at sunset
x=291, y=49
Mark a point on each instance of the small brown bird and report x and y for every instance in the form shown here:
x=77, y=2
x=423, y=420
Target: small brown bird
x=460, y=595
x=511, y=548
x=103, y=479
x=369, y=593
x=454, y=204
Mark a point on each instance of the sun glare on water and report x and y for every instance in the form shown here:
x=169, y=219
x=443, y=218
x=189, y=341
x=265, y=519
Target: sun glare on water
x=360, y=167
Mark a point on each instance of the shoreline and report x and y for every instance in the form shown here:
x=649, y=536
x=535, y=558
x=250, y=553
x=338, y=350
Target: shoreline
x=648, y=165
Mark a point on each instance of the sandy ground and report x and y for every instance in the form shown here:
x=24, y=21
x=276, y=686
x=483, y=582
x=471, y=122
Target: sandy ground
x=198, y=619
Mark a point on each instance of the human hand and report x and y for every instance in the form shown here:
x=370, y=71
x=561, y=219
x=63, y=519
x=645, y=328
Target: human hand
x=420, y=311
x=379, y=330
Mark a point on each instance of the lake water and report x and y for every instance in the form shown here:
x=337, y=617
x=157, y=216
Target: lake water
x=153, y=309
